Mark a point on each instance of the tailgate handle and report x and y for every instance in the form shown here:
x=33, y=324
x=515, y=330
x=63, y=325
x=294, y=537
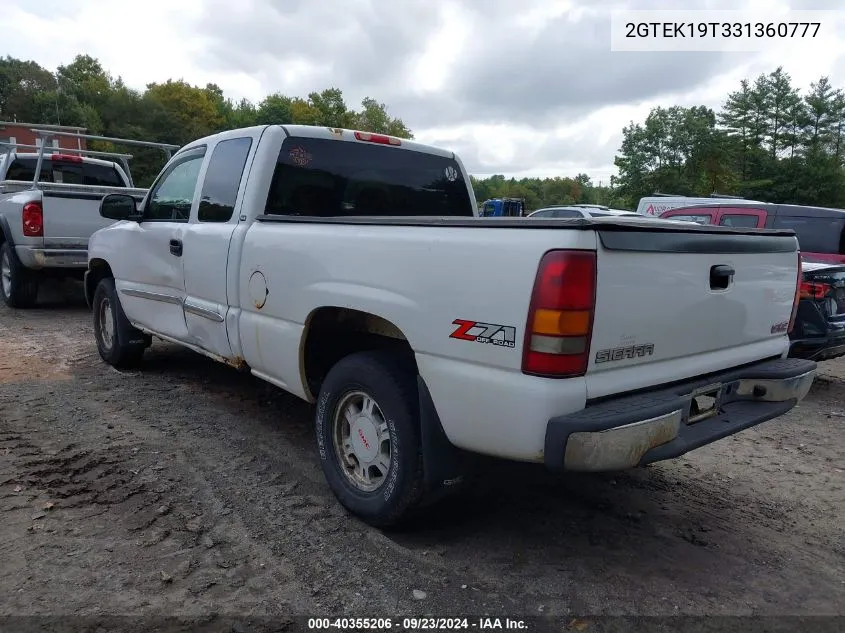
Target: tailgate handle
x=720, y=276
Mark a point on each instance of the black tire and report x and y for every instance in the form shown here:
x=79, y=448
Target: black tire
x=389, y=381
x=120, y=344
x=18, y=285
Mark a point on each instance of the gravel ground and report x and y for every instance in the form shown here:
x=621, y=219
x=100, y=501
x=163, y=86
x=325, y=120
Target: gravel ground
x=188, y=488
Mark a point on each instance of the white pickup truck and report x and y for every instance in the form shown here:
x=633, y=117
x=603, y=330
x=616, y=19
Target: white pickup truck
x=49, y=207
x=44, y=228
x=351, y=270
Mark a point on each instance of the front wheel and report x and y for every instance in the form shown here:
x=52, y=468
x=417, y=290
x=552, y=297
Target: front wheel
x=18, y=285
x=368, y=436
x=119, y=343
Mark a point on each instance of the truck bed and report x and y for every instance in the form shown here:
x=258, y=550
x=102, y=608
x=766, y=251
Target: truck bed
x=656, y=318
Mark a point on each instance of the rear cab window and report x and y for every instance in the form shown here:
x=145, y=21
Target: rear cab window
x=66, y=172
x=330, y=178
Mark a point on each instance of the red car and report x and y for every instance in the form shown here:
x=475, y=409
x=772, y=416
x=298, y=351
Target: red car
x=820, y=231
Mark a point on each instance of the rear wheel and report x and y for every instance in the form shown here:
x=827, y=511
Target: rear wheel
x=119, y=343
x=18, y=285
x=368, y=436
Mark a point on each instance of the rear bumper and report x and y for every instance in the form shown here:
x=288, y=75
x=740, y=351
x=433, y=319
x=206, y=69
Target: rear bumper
x=643, y=428
x=37, y=258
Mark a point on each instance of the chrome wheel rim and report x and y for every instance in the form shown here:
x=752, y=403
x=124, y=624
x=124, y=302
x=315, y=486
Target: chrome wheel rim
x=6, y=274
x=361, y=439
x=106, y=328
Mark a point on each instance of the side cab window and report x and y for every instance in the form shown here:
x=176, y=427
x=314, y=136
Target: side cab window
x=699, y=215
x=223, y=179
x=172, y=195
x=745, y=217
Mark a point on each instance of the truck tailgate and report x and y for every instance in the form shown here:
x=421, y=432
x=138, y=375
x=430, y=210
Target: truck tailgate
x=670, y=305
x=70, y=219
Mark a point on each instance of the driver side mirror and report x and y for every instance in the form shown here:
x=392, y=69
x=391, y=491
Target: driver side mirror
x=119, y=206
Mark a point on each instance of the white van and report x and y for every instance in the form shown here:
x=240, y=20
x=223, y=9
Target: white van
x=655, y=205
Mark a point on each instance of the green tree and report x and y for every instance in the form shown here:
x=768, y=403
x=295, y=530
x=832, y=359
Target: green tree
x=274, y=109
x=86, y=81
x=837, y=141
x=83, y=93
x=181, y=112
x=303, y=113
x=820, y=112
x=373, y=117
x=25, y=88
x=244, y=114
x=736, y=117
x=677, y=150
x=784, y=106
x=330, y=109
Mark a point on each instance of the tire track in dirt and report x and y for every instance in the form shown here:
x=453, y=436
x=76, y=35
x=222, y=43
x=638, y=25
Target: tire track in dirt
x=277, y=488
x=149, y=507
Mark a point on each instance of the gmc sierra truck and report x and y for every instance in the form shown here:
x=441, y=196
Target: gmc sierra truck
x=352, y=270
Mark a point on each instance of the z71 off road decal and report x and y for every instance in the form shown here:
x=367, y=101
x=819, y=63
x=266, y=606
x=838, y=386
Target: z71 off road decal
x=490, y=333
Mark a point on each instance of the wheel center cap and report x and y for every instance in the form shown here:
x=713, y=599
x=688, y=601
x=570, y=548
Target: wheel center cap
x=364, y=439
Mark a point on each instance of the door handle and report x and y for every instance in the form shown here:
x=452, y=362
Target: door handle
x=720, y=276
x=176, y=247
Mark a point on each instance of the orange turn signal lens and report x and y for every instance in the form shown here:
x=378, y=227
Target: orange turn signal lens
x=561, y=322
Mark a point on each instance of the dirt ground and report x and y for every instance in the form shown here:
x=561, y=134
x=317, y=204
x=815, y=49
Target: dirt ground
x=188, y=488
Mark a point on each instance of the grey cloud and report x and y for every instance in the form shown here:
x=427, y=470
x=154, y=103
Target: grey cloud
x=366, y=48
x=581, y=151
x=357, y=45
x=566, y=71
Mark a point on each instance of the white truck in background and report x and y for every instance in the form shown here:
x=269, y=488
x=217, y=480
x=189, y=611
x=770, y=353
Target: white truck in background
x=49, y=207
x=653, y=206
x=350, y=269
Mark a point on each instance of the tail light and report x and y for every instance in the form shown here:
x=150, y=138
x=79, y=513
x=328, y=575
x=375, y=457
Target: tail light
x=797, y=298
x=814, y=290
x=33, y=219
x=560, y=316
x=382, y=139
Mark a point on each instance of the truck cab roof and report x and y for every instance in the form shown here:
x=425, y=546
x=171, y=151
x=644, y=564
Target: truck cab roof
x=62, y=169
x=59, y=156
x=329, y=133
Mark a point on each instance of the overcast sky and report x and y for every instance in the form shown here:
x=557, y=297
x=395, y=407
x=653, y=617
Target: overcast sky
x=520, y=87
